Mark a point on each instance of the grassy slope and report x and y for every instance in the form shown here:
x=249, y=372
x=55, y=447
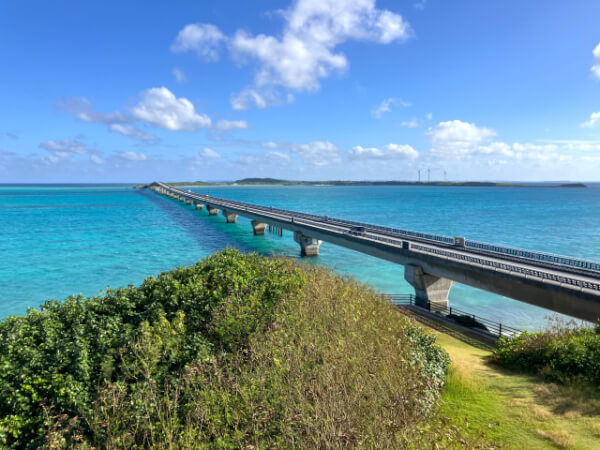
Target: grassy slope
x=513, y=410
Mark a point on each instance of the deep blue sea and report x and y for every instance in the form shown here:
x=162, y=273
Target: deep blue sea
x=60, y=240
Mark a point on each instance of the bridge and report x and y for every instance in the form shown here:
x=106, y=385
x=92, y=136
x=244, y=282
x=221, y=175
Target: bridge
x=432, y=263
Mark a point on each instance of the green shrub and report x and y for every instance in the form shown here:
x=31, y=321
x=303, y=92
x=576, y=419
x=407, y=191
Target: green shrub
x=238, y=350
x=468, y=321
x=53, y=361
x=563, y=353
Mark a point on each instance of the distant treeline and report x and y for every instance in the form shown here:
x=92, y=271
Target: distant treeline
x=278, y=182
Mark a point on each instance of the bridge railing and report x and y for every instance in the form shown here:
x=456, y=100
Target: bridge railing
x=537, y=256
x=459, y=316
x=509, y=267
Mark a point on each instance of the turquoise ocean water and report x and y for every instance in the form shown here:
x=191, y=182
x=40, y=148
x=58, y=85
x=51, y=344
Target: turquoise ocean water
x=60, y=240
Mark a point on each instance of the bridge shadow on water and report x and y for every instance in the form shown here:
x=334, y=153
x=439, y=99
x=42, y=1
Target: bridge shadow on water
x=206, y=234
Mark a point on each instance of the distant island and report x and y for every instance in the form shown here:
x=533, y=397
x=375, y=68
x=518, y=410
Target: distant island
x=278, y=182
x=573, y=185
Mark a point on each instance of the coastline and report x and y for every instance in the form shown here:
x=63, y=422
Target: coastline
x=263, y=182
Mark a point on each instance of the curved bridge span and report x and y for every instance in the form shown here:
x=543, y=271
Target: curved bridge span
x=432, y=263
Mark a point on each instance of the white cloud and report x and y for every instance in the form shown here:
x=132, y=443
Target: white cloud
x=204, y=39
x=66, y=147
x=387, y=152
x=429, y=116
x=412, y=123
x=304, y=52
x=420, y=4
x=226, y=125
x=594, y=118
x=596, y=66
x=96, y=159
x=266, y=97
x=386, y=106
x=179, y=75
x=248, y=160
x=247, y=97
x=82, y=109
x=161, y=108
x=318, y=153
x=133, y=156
x=207, y=153
x=270, y=144
x=279, y=157
x=455, y=138
x=314, y=28
x=131, y=131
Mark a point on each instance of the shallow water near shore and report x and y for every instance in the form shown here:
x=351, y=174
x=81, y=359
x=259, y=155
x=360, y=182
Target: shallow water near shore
x=60, y=240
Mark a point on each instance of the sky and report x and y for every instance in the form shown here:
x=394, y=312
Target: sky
x=136, y=91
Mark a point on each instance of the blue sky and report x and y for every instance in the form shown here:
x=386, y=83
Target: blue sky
x=117, y=91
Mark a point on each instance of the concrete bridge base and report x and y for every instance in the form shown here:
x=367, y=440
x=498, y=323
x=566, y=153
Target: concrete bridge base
x=229, y=216
x=308, y=246
x=258, y=228
x=188, y=202
x=212, y=211
x=181, y=199
x=431, y=291
x=198, y=205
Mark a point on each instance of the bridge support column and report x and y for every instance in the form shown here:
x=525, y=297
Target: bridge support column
x=188, y=201
x=212, y=211
x=308, y=246
x=258, y=228
x=181, y=199
x=229, y=216
x=198, y=205
x=431, y=291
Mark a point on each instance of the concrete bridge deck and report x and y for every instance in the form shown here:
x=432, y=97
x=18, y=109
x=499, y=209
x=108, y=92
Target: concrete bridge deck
x=432, y=263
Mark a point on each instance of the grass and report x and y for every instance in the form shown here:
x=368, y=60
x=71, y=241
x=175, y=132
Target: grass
x=511, y=410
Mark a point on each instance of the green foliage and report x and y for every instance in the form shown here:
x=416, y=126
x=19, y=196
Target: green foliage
x=468, y=321
x=56, y=359
x=238, y=350
x=562, y=353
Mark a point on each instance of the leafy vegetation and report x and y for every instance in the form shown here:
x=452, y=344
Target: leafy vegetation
x=468, y=321
x=238, y=350
x=565, y=352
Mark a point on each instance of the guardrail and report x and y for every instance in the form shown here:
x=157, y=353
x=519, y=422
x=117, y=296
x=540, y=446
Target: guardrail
x=536, y=256
x=508, y=267
x=459, y=316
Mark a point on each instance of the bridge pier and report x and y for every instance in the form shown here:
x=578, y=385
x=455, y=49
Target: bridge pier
x=431, y=291
x=229, y=216
x=212, y=211
x=181, y=199
x=308, y=246
x=188, y=201
x=198, y=205
x=258, y=228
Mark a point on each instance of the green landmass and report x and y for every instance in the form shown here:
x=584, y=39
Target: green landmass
x=573, y=185
x=278, y=182
x=245, y=351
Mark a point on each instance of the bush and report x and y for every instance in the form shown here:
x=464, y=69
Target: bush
x=563, y=353
x=468, y=321
x=237, y=350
